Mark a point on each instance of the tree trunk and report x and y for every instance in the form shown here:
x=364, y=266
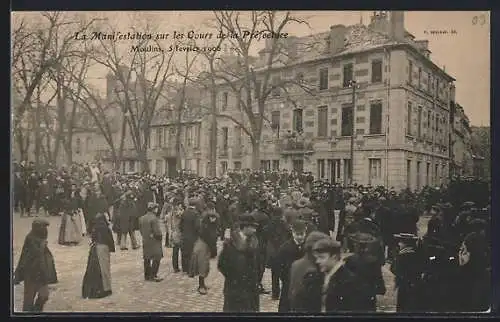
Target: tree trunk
x=255, y=155
x=143, y=160
x=118, y=158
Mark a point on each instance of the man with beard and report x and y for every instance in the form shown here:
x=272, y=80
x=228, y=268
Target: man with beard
x=36, y=267
x=238, y=264
x=289, y=252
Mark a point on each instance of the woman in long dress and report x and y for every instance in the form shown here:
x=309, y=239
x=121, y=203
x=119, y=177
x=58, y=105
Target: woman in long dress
x=97, y=278
x=70, y=231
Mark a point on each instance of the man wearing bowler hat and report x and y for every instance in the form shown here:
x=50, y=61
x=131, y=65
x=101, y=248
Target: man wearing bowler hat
x=149, y=226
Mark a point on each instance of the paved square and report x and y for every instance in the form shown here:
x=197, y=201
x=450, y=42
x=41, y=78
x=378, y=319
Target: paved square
x=176, y=293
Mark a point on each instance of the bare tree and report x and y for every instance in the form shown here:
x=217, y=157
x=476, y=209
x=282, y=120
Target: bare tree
x=249, y=79
x=138, y=98
x=37, y=49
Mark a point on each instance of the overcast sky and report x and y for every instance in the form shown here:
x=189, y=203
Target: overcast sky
x=465, y=55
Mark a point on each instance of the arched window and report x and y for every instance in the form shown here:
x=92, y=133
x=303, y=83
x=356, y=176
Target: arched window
x=78, y=145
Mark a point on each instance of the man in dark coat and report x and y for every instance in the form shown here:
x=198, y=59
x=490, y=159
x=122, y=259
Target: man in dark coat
x=189, y=226
x=149, y=226
x=278, y=233
x=289, y=252
x=407, y=271
x=36, y=267
x=302, y=272
x=239, y=266
x=341, y=289
x=126, y=218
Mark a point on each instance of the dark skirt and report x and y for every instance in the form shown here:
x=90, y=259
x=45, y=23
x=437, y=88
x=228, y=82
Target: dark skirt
x=97, y=278
x=70, y=231
x=200, y=259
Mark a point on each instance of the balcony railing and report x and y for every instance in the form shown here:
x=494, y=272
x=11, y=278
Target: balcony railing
x=295, y=146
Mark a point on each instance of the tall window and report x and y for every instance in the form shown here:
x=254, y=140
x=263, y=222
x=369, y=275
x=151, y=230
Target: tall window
x=410, y=72
x=347, y=120
x=347, y=75
x=159, y=167
x=189, y=136
x=276, y=164
x=375, y=170
x=237, y=137
x=428, y=120
x=428, y=174
x=376, y=118
x=419, y=77
x=376, y=71
x=321, y=169
x=159, y=137
x=347, y=170
x=197, y=135
x=198, y=167
x=322, y=121
x=298, y=165
x=275, y=122
x=409, y=120
x=297, y=120
x=78, y=146
x=223, y=165
x=323, y=78
x=429, y=82
x=276, y=91
x=224, y=101
x=436, y=173
x=437, y=87
x=237, y=165
x=418, y=174
x=225, y=137
x=265, y=164
x=408, y=173
x=419, y=122
x=88, y=142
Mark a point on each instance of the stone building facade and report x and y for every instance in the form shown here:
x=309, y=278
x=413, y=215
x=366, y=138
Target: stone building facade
x=401, y=114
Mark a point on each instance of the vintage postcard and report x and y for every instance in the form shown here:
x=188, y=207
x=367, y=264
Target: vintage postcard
x=251, y=161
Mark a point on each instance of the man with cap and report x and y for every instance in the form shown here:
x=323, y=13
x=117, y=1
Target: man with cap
x=238, y=264
x=36, y=267
x=289, y=252
x=302, y=274
x=407, y=271
x=149, y=226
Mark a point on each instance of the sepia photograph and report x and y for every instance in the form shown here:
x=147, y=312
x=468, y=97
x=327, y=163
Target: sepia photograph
x=288, y=162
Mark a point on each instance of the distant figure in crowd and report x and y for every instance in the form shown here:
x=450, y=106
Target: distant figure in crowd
x=189, y=226
x=36, y=267
x=238, y=264
x=152, y=249
x=172, y=222
x=97, y=278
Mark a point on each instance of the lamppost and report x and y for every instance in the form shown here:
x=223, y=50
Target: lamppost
x=353, y=85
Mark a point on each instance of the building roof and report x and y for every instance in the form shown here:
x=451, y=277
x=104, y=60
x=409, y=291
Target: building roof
x=359, y=38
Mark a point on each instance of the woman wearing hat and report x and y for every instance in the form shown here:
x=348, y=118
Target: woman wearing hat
x=238, y=264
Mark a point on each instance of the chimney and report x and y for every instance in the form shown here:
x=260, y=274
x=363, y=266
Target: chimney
x=423, y=47
x=336, y=39
x=379, y=22
x=397, y=25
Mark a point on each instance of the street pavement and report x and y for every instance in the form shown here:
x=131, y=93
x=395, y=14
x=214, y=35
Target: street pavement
x=176, y=293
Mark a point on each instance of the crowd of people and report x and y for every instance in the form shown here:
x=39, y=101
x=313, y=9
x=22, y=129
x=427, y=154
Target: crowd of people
x=324, y=244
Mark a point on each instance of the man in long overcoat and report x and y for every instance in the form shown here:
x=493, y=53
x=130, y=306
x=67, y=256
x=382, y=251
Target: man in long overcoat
x=238, y=264
x=189, y=226
x=149, y=226
x=126, y=217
